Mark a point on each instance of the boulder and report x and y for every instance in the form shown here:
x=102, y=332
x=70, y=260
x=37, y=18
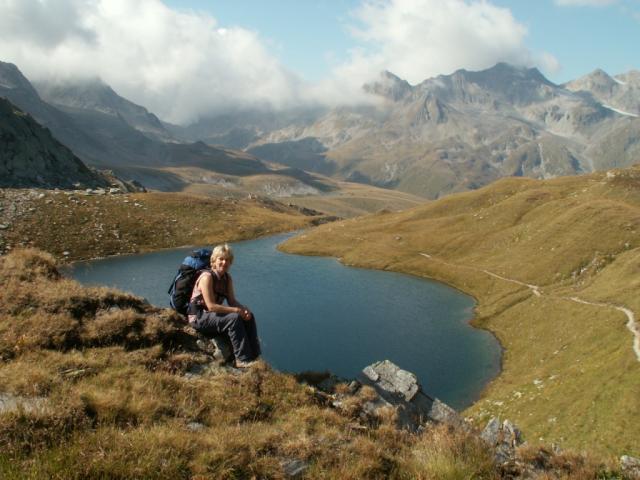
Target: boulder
x=294, y=468
x=630, y=466
x=14, y=403
x=400, y=389
x=504, y=437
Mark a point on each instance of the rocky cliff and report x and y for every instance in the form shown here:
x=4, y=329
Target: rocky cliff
x=31, y=157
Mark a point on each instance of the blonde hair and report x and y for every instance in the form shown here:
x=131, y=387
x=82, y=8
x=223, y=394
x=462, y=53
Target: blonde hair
x=223, y=251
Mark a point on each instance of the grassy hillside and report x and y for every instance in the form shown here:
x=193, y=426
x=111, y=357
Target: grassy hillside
x=88, y=226
x=98, y=384
x=531, y=252
x=355, y=199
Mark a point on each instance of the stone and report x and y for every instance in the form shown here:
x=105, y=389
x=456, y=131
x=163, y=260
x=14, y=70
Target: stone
x=400, y=389
x=294, y=468
x=491, y=432
x=504, y=437
x=3, y=226
x=630, y=466
x=195, y=426
x=13, y=403
x=223, y=350
x=353, y=387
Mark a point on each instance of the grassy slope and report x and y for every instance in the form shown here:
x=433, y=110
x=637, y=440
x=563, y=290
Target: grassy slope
x=107, y=371
x=354, y=199
x=105, y=375
x=94, y=226
x=569, y=372
x=342, y=199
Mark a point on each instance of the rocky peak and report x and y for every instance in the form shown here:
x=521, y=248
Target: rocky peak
x=94, y=95
x=31, y=157
x=389, y=86
x=91, y=94
x=518, y=85
x=597, y=82
x=631, y=77
x=502, y=83
x=12, y=79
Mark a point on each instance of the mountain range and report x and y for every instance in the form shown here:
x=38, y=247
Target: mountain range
x=449, y=133
x=461, y=131
x=107, y=131
x=454, y=132
x=30, y=156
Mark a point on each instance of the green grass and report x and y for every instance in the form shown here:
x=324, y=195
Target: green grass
x=573, y=237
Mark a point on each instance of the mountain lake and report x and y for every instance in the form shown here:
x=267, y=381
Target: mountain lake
x=316, y=314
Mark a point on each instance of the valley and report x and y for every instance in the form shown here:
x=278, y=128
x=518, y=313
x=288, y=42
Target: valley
x=500, y=183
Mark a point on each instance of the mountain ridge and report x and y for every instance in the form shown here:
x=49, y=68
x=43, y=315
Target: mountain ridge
x=31, y=157
x=460, y=131
x=109, y=132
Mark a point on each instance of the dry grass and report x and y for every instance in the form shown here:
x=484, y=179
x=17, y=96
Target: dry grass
x=443, y=454
x=100, y=376
x=97, y=226
x=353, y=199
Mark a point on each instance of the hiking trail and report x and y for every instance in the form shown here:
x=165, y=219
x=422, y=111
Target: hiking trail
x=631, y=325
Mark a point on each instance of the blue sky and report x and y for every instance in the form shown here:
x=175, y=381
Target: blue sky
x=185, y=59
x=310, y=36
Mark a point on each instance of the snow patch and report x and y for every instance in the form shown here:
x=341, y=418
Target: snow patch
x=621, y=112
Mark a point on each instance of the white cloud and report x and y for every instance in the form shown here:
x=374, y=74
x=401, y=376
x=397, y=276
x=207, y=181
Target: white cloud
x=417, y=39
x=178, y=64
x=585, y=3
x=183, y=65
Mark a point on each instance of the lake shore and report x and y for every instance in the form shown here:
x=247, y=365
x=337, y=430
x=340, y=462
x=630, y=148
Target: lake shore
x=432, y=320
x=559, y=353
x=72, y=225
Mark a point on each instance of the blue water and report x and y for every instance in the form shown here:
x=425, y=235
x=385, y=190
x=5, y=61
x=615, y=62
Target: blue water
x=315, y=314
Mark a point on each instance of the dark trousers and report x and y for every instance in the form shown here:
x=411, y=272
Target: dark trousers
x=242, y=333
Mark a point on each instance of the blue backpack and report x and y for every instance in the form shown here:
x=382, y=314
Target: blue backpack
x=182, y=285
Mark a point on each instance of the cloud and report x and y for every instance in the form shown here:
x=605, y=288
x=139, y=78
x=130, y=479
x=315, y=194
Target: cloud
x=585, y=3
x=417, y=39
x=181, y=65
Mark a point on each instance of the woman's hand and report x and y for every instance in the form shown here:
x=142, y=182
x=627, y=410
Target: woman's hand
x=245, y=313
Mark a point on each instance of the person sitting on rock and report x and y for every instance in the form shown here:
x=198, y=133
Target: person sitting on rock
x=209, y=316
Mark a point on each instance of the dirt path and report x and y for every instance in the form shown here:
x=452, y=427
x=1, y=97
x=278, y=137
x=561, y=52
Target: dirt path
x=632, y=326
x=631, y=320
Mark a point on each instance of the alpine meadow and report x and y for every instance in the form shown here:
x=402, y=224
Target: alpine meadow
x=490, y=148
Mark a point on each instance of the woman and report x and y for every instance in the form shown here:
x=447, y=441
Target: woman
x=209, y=316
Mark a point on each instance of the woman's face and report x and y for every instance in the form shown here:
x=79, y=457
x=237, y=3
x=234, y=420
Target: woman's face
x=221, y=264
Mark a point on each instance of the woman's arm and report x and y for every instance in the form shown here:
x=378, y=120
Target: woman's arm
x=206, y=287
x=231, y=298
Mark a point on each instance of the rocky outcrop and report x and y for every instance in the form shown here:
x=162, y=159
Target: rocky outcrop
x=400, y=389
x=504, y=437
x=630, y=466
x=31, y=157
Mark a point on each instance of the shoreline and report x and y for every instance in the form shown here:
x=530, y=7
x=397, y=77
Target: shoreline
x=471, y=322
x=494, y=350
